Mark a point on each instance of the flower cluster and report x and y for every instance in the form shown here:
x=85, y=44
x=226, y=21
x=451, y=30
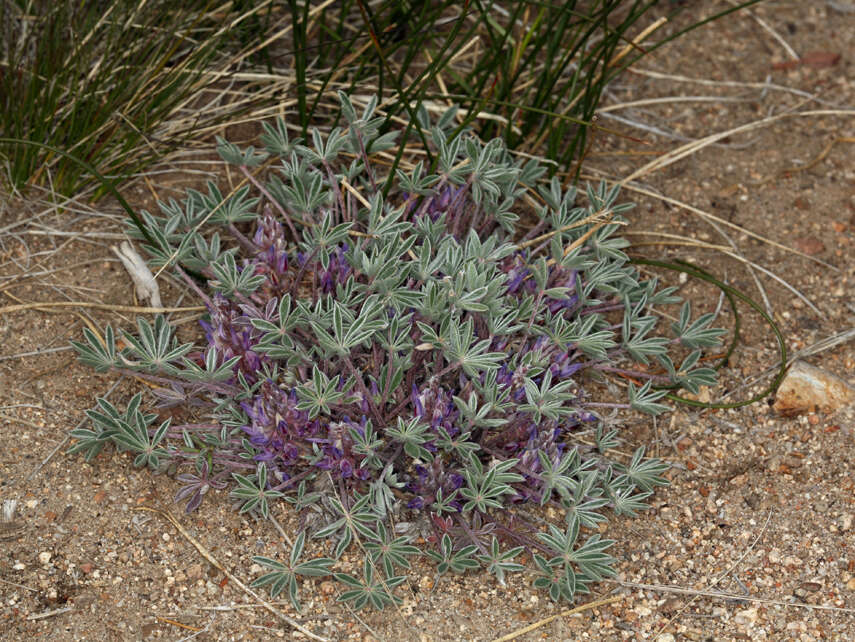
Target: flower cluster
x=407, y=355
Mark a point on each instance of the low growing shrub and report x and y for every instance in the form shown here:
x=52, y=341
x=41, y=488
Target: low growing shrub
x=404, y=363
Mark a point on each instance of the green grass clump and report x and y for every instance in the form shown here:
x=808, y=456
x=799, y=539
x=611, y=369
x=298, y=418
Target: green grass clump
x=101, y=81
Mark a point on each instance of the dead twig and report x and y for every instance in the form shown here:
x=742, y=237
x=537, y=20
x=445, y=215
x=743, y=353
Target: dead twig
x=176, y=623
x=694, y=146
x=212, y=560
x=664, y=588
x=811, y=163
x=47, y=614
x=720, y=577
x=99, y=306
x=540, y=623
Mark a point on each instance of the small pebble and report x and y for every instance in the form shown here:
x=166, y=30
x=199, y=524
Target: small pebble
x=44, y=558
x=746, y=617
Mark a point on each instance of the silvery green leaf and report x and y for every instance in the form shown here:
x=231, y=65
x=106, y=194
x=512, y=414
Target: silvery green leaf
x=233, y=155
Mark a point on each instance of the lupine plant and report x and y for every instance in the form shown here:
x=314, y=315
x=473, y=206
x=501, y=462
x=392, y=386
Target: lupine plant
x=397, y=359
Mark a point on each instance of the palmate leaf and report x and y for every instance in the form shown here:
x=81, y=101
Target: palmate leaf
x=646, y=474
x=412, y=434
x=349, y=330
x=587, y=511
x=477, y=417
x=357, y=521
x=230, y=280
x=302, y=499
x=697, y=334
x=591, y=342
x=625, y=503
x=368, y=444
x=558, y=476
x=645, y=398
x=591, y=560
x=97, y=354
x=485, y=490
x=253, y=491
x=390, y=552
x=134, y=435
x=548, y=400
x=128, y=430
x=688, y=376
x=321, y=393
x=89, y=442
x=371, y=590
x=463, y=351
x=155, y=348
x=499, y=563
x=559, y=579
x=196, y=485
x=234, y=209
x=212, y=371
x=276, y=140
x=234, y=155
x=448, y=559
x=284, y=576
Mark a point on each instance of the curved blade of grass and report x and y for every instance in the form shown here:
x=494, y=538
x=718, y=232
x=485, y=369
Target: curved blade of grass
x=106, y=182
x=698, y=273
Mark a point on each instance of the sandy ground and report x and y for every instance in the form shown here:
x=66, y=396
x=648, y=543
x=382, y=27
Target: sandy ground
x=754, y=539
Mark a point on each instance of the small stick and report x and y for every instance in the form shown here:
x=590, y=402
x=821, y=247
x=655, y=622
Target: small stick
x=350, y=188
x=578, y=609
x=723, y=575
x=736, y=597
x=635, y=42
x=207, y=555
x=47, y=614
x=99, y=306
x=178, y=624
x=765, y=26
x=32, y=590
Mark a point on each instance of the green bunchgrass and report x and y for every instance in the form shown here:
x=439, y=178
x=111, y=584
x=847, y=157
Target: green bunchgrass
x=101, y=81
x=121, y=83
x=531, y=72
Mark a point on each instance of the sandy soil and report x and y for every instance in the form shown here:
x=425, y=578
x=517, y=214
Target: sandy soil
x=754, y=539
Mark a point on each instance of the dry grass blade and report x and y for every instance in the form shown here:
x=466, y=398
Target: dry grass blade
x=712, y=217
x=820, y=346
x=540, y=623
x=99, y=306
x=210, y=558
x=597, y=218
x=683, y=240
x=52, y=613
x=667, y=100
x=762, y=86
x=724, y=574
x=695, y=146
x=765, y=26
x=664, y=588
